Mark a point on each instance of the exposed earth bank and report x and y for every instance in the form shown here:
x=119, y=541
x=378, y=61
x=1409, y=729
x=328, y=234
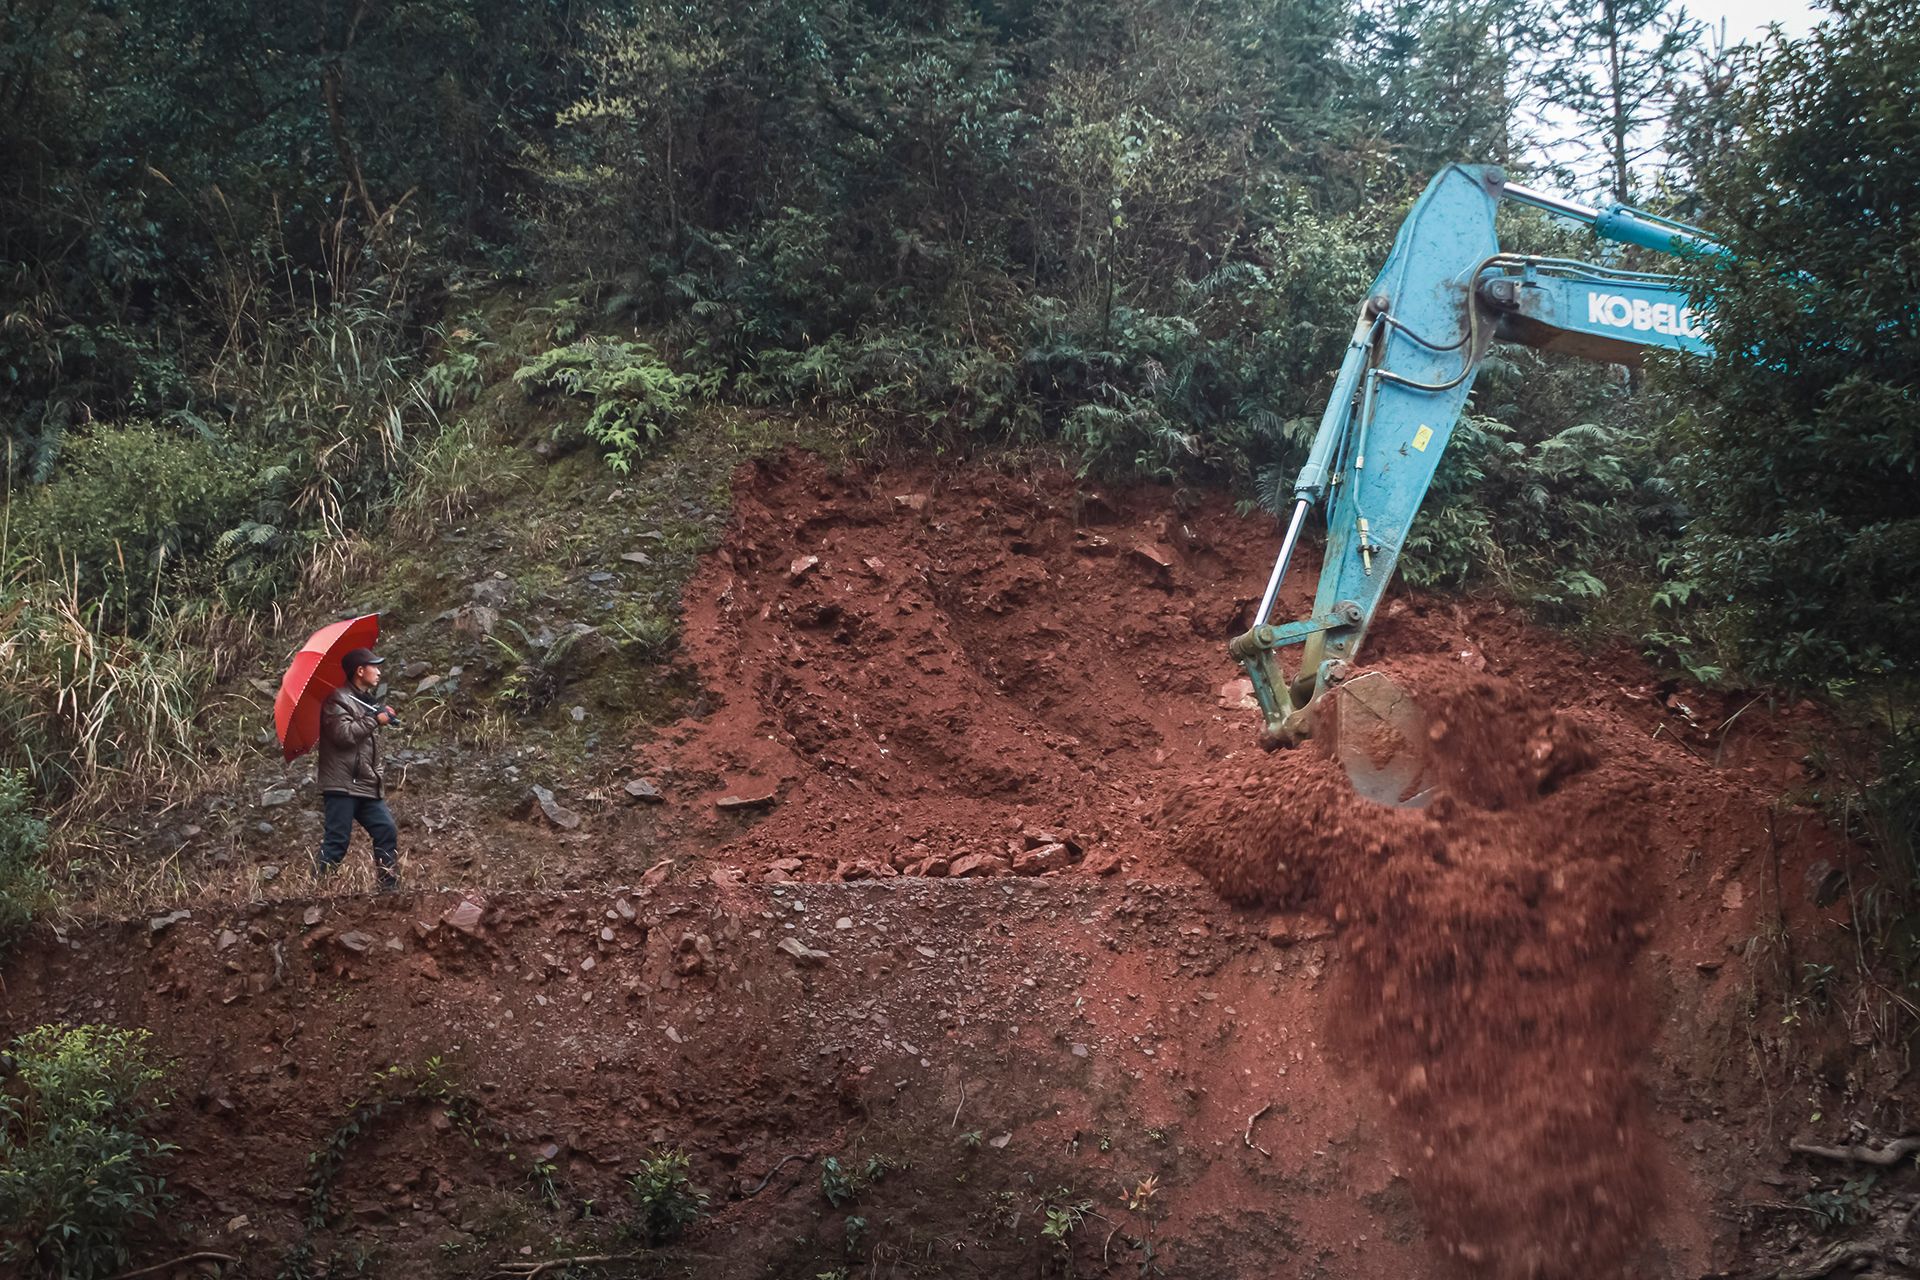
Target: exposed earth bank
x=970, y=875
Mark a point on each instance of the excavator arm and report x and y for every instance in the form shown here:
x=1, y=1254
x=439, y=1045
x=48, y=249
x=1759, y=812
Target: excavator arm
x=1446, y=293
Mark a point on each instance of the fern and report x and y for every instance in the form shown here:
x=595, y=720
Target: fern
x=636, y=396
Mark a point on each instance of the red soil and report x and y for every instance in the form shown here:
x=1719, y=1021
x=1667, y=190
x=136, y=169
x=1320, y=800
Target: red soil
x=1488, y=988
x=1502, y=1017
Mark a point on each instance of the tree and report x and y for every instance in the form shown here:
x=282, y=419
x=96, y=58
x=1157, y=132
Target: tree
x=1804, y=433
x=1611, y=68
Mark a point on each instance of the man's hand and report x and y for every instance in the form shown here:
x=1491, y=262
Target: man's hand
x=385, y=716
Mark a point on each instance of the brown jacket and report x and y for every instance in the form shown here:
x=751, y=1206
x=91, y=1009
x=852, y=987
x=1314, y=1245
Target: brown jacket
x=349, y=747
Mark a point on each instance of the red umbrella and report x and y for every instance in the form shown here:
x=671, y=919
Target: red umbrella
x=313, y=676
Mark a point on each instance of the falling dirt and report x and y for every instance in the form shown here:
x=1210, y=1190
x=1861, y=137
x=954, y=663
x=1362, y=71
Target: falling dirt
x=1489, y=941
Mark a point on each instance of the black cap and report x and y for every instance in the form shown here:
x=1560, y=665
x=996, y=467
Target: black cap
x=357, y=658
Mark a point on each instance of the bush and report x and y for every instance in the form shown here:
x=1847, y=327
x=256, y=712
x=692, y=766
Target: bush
x=664, y=1200
x=635, y=395
x=23, y=839
x=75, y=1170
x=1804, y=441
x=132, y=506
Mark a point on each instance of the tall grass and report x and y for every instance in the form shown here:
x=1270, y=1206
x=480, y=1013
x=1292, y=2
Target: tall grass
x=89, y=708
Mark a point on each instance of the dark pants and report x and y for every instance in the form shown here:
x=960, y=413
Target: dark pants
x=342, y=811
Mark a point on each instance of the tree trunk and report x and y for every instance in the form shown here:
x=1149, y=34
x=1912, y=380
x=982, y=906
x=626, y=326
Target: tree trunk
x=1617, y=91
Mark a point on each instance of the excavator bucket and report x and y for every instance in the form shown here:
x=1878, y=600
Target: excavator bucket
x=1378, y=734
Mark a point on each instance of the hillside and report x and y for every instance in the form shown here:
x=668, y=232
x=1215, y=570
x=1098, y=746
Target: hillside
x=809, y=459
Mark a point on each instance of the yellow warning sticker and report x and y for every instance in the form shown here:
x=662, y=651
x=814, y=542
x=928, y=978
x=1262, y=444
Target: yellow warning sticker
x=1421, y=437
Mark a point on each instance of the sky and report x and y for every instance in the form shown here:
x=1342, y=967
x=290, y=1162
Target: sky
x=1565, y=143
x=1746, y=19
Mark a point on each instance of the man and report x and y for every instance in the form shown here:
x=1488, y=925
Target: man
x=351, y=787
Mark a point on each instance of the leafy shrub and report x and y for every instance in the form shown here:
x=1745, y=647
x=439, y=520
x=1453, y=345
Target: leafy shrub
x=23, y=839
x=664, y=1200
x=75, y=1169
x=1803, y=446
x=132, y=506
x=636, y=396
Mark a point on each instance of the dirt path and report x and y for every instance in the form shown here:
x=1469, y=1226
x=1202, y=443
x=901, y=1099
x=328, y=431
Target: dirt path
x=966, y=741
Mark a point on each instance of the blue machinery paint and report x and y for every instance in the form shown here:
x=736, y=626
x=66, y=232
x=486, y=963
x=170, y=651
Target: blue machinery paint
x=1446, y=292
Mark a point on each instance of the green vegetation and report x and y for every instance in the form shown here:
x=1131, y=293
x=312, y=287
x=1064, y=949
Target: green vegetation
x=635, y=396
x=1800, y=461
x=23, y=839
x=77, y=1174
x=663, y=1198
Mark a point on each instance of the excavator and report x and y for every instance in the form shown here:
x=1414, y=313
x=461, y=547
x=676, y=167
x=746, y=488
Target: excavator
x=1446, y=293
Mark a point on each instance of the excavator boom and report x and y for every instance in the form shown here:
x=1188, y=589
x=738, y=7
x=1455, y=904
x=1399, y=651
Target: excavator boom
x=1446, y=293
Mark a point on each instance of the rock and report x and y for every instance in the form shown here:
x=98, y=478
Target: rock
x=844, y=922
x=803, y=955
x=1000, y=1143
x=600, y=576
x=1288, y=930
x=492, y=593
x=1237, y=695
x=861, y=869
x=429, y=683
x=801, y=565
x=644, y=791
x=274, y=797
x=624, y=909
x=735, y=803
x=1038, y=862
x=464, y=916
x=978, y=864
x=415, y=669
x=1080, y=1051
x=640, y=558
x=692, y=954
x=558, y=814
x=1103, y=864
x=263, y=828
x=788, y=865
x=269, y=873
x=311, y=916
x=578, y=714
x=226, y=939
x=1153, y=553
x=475, y=619
x=910, y=501
x=1037, y=837
x=933, y=867
x=160, y=924
x=656, y=873
x=355, y=941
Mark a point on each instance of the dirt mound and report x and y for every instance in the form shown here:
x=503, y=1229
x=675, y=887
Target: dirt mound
x=951, y=676
x=1489, y=940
